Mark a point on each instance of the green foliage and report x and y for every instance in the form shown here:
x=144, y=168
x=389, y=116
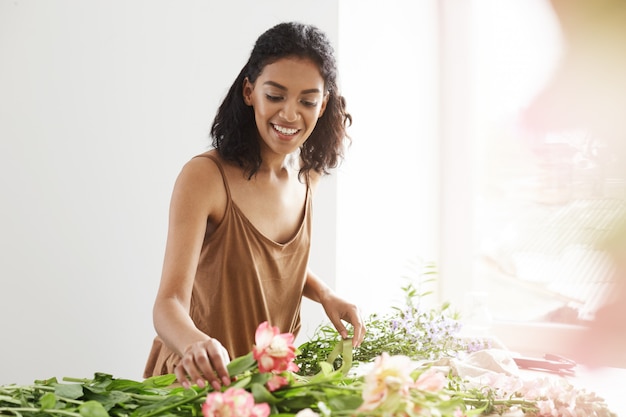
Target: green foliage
x=411, y=330
x=323, y=384
x=101, y=396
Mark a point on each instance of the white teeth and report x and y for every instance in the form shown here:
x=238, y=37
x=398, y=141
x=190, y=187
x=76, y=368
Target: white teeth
x=284, y=130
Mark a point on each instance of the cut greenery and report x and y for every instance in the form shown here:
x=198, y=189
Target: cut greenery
x=324, y=385
x=412, y=330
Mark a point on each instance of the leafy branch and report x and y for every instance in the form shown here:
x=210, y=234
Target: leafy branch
x=412, y=330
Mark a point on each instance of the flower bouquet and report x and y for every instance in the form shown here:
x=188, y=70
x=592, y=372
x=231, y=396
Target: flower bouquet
x=396, y=375
x=266, y=382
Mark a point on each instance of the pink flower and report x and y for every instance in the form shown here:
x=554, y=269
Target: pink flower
x=235, y=402
x=276, y=381
x=388, y=384
x=459, y=413
x=430, y=380
x=546, y=408
x=273, y=351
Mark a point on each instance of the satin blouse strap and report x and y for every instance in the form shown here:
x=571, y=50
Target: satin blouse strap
x=308, y=188
x=221, y=168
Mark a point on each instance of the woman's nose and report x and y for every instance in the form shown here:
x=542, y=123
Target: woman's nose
x=289, y=112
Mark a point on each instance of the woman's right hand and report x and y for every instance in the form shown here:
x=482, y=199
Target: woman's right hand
x=204, y=361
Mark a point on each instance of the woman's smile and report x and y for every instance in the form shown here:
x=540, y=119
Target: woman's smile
x=285, y=132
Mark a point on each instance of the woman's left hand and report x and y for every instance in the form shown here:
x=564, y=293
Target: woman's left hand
x=338, y=309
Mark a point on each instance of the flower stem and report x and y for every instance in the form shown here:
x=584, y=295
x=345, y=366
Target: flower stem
x=17, y=411
x=177, y=404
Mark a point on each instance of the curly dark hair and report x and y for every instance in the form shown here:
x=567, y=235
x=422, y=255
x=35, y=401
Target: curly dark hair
x=234, y=131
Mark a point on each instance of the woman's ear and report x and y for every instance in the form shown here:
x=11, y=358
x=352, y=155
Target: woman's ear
x=248, y=87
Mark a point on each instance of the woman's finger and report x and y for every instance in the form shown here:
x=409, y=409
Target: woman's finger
x=189, y=363
x=181, y=376
x=219, y=359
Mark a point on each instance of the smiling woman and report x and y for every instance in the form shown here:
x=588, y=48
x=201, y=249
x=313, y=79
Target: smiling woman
x=240, y=217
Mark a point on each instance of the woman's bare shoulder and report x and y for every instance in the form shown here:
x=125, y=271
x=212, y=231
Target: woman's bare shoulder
x=202, y=168
x=201, y=179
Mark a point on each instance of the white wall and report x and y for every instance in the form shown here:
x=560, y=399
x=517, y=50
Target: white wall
x=387, y=216
x=101, y=103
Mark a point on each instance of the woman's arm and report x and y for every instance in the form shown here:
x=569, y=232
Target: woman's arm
x=336, y=308
x=198, y=195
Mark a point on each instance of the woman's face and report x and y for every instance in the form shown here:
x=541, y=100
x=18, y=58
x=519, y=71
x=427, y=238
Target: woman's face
x=288, y=98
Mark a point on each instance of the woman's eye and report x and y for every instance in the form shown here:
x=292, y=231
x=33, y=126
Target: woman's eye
x=273, y=98
x=309, y=103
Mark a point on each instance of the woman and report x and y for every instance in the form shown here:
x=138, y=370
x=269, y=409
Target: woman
x=240, y=216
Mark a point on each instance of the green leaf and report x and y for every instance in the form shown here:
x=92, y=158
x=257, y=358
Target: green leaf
x=159, y=381
x=345, y=402
x=102, y=377
x=260, y=378
x=100, y=382
x=326, y=368
x=109, y=399
x=262, y=394
x=241, y=364
x=167, y=403
x=297, y=403
x=48, y=401
x=242, y=382
x=125, y=385
x=47, y=382
x=71, y=391
x=475, y=412
x=10, y=400
x=92, y=409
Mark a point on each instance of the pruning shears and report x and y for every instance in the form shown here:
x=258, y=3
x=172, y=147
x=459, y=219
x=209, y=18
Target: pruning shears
x=549, y=363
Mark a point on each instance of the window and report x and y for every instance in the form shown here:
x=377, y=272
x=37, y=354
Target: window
x=440, y=169
x=542, y=203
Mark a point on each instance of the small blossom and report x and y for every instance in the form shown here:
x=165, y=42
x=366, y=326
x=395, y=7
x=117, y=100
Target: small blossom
x=459, y=413
x=276, y=381
x=546, y=408
x=388, y=383
x=431, y=380
x=307, y=412
x=475, y=345
x=235, y=402
x=273, y=351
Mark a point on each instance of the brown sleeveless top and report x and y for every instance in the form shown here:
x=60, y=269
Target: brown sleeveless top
x=243, y=279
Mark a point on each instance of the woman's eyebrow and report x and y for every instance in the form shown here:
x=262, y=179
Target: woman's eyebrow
x=282, y=87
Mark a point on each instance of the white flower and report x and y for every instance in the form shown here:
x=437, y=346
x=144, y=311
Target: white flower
x=307, y=412
x=387, y=382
